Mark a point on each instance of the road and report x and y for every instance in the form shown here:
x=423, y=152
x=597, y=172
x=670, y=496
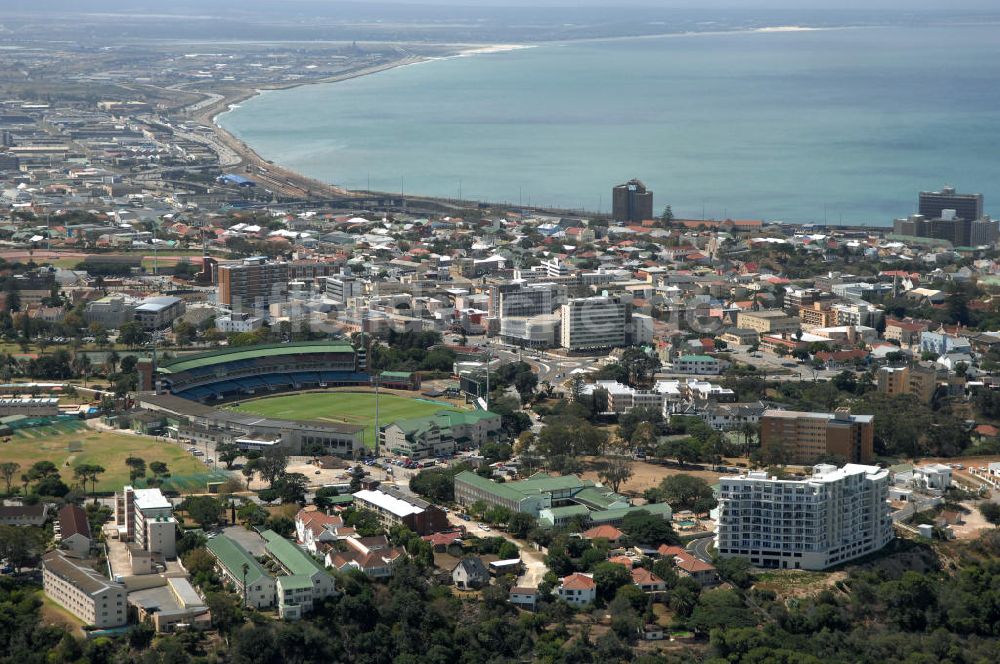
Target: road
x=552, y=368
x=699, y=548
x=534, y=561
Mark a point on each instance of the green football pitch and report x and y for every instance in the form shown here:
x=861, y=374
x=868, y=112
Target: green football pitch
x=344, y=407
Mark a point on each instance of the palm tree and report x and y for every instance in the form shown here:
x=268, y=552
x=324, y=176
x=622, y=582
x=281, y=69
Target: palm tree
x=112, y=361
x=246, y=569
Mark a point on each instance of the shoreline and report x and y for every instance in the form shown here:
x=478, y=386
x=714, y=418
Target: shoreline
x=304, y=184
x=249, y=157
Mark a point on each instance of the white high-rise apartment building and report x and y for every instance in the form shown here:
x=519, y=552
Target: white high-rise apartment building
x=834, y=516
x=144, y=516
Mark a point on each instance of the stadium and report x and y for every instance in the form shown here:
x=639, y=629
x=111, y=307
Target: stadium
x=241, y=372
x=188, y=392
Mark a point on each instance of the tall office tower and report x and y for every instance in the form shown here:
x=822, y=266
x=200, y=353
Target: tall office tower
x=966, y=206
x=631, y=202
x=256, y=282
x=594, y=322
x=831, y=517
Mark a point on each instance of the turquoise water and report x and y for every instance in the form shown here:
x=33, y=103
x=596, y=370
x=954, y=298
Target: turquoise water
x=843, y=125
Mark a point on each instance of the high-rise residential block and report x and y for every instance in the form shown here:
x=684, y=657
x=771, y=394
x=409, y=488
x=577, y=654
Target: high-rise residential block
x=804, y=438
x=833, y=516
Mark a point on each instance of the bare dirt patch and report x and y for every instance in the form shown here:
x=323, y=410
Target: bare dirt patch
x=646, y=475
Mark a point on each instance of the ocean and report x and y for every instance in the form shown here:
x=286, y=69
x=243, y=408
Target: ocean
x=842, y=125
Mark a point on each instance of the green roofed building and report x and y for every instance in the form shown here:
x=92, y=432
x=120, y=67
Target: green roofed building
x=555, y=500
x=246, y=370
x=439, y=434
x=400, y=380
x=238, y=353
x=306, y=580
x=231, y=560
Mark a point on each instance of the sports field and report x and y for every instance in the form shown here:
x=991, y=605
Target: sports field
x=71, y=442
x=345, y=407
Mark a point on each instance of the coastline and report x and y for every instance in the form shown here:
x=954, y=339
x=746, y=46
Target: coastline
x=279, y=177
x=293, y=183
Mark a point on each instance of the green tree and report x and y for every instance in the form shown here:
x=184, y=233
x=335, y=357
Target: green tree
x=132, y=335
x=198, y=561
x=686, y=492
x=281, y=525
x=649, y=529
x=89, y=472
x=272, y=465
x=227, y=453
x=8, y=470
x=990, y=512
x=252, y=514
x=205, y=510
x=615, y=471
x=609, y=577
x=226, y=610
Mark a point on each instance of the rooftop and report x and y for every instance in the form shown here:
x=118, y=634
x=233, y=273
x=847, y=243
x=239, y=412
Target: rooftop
x=291, y=557
x=83, y=578
x=199, y=360
x=73, y=521
x=151, y=499
x=232, y=556
x=392, y=504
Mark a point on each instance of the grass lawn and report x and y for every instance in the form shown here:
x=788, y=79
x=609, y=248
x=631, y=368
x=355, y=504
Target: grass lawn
x=107, y=449
x=347, y=407
x=54, y=614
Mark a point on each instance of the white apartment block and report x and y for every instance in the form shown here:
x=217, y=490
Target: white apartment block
x=83, y=592
x=145, y=516
x=698, y=364
x=668, y=396
x=593, y=322
x=238, y=323
x=833, y=516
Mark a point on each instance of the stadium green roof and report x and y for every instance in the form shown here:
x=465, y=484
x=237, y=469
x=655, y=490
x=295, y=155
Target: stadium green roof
x=250, y=353
x=291, y=557
x=232, y=556
x=396, y=374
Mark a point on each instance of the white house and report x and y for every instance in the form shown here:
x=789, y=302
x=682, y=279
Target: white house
x=577, y=589
x=936, y=476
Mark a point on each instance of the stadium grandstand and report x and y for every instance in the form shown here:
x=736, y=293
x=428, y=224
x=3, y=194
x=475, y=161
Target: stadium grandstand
x=247, y=371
